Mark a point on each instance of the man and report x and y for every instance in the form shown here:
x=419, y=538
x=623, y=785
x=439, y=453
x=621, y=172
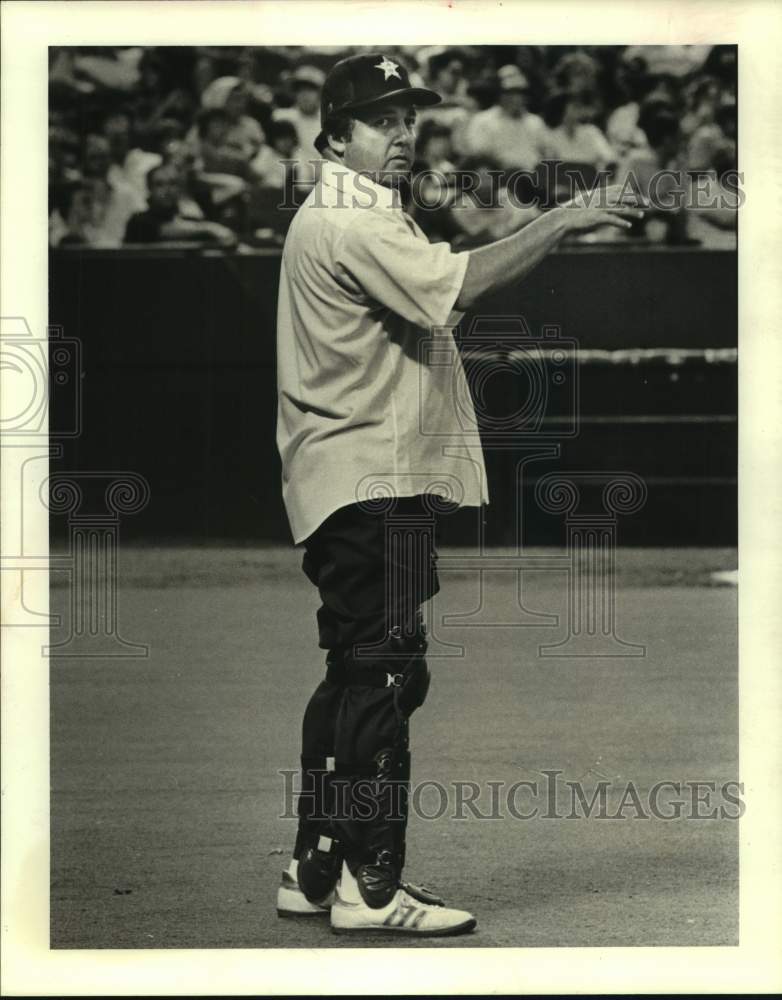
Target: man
x=572, y=135
x=243, y=134
x=163, y=220
x=360, y=289
x=307, y=82
x=118, y=198
x=508, y=132
x=447, y=78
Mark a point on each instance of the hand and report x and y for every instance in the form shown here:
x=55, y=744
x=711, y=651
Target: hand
x=223, y=236
x=610, y=196
x=606, y=206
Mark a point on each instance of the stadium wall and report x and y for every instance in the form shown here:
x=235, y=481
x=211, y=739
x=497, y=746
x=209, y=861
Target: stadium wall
x=177, y=383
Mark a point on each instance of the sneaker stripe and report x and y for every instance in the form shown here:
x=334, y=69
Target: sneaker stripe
x=399, y=917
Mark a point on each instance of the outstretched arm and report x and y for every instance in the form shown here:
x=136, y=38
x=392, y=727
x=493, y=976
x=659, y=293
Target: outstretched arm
x=511, y=259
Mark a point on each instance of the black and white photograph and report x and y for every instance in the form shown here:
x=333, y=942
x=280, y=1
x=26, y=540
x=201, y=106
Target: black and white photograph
x=372, y=476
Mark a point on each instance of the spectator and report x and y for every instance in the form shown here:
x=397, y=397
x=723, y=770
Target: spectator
x=197, y=198
x=307, y=82
x=214, y=152
x=701, y=98
x=433, y=147
x=277, y=160
x=712, y=204
x=95, y=70
x=447, y=77
x=721, y=64
x=113, y=200
x=142, y=101
x=220, y=173
x=130, y=162
x=243, y=134
x=446, y=73
x=661, y=129
x=64, y=154
x=77, y=216
x=163, y=221
x=712, y=138
x=576, y=72
x=572, y=137
x=508, y=132
x=154, y=98
x=677, y=61
x=489, y=212
x=622, y=130
x=642, y=168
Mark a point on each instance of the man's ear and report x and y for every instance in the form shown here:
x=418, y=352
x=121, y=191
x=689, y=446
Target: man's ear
x=336, y=145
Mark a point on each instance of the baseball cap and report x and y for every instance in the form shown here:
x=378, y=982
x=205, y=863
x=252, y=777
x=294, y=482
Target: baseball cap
x=216, y=93
x=511, y=78
x=359, y=82
x=310, y=75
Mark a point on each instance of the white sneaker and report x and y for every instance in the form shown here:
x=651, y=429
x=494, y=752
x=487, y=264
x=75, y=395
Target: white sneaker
x=403, y=915
x=291, y=901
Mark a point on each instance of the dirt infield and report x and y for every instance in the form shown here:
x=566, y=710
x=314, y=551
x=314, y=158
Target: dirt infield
x=166, y=794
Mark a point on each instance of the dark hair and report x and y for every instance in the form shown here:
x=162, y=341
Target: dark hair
x=64, y=195
x=484, y=92
x=339, y=125
x=554, y=108
x=439, y=61
x=153, y=60
x=659, y=127
x=725, y=114
x=151, y=174
x=205, y=119
x=281, y=130
x=635, y=78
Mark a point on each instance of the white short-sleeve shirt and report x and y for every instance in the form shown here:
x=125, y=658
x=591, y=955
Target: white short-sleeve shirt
x=372, y=396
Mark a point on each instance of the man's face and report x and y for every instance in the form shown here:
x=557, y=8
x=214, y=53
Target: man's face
x=383, y=142
x=307, y=99
x=513, y=102
x=178, y=154
x=285, y=145
x=449, y=77
x=578, y=112
x=97, y=156
x=164, y=188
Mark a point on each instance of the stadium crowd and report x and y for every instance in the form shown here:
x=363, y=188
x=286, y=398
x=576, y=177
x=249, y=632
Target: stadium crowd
x=204, y=145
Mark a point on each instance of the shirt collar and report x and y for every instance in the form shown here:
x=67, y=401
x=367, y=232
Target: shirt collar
x=359, y=190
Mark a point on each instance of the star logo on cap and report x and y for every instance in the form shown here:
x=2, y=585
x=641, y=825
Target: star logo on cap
x=389, y=68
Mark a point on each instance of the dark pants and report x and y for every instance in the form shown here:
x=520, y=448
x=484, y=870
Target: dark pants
x=374, y=565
